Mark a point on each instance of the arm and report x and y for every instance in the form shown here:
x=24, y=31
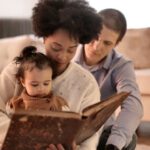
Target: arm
x=131, y=110
x=7, y=86
x=4, y=124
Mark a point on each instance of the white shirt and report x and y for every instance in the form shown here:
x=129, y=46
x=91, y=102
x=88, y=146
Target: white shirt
x=76, y=85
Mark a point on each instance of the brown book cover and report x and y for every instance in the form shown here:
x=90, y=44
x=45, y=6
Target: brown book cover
x=35, y=130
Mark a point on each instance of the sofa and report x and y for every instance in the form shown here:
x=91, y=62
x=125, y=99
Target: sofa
x=10, y=27
x=135, y=45
x=12, y=46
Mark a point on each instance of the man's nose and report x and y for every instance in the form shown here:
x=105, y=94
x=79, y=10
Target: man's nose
x=97, y=45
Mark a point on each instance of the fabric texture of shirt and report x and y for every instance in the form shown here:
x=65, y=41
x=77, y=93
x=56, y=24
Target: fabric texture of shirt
x=26, y=102
x=116, y=74
x=76, y=85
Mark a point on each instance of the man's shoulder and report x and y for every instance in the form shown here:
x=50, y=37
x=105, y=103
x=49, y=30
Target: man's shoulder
x=120, y=56
x=120, y=59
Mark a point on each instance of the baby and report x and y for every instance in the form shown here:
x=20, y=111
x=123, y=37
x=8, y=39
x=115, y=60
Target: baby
x=35, y=74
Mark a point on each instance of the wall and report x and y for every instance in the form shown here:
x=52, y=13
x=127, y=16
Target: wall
x=16, y=8
x=136, y=12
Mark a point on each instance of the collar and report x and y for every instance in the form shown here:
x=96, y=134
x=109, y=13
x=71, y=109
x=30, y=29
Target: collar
x=31, y=102
x=106, y=63
x=108, y=60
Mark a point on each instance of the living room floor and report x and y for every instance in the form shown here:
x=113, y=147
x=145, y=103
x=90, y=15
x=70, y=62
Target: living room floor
x=144, y=128
x=143, y=144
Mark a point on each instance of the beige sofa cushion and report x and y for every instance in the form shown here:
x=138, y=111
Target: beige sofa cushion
x=143, y=80
x=11, y=47
x=136, y=46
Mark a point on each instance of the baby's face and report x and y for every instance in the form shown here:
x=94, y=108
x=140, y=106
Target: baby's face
x=37, y=82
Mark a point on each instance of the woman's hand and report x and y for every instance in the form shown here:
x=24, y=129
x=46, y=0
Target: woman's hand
x=60, y=147
x=55, y=147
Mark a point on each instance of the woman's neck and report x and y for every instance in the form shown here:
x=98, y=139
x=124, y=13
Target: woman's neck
x=58, y=71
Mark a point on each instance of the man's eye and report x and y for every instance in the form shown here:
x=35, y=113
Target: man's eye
x=107, y=43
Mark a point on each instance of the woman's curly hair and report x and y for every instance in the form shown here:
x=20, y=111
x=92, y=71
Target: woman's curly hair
x=75, y=16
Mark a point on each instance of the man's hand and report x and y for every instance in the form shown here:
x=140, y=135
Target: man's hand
x=111, y=147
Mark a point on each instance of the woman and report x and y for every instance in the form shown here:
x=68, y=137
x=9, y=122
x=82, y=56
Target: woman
x=62, y=24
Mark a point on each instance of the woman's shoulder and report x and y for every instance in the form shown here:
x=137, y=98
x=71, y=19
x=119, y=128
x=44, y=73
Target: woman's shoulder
x=75, y=73
x=11, y=68
x=77, y=78
x=82, y=77
x=81, y=72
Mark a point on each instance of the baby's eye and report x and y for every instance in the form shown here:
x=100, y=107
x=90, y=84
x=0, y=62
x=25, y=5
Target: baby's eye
x=71, y=51
x=34, y=85
x=46, y=84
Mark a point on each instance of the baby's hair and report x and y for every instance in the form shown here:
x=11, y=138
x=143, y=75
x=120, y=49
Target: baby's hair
x=30, y=59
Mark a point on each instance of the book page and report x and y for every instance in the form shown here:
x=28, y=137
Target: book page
x=96, y=115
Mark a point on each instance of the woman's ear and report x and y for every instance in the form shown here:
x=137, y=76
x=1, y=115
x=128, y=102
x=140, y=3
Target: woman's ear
x=22, y=82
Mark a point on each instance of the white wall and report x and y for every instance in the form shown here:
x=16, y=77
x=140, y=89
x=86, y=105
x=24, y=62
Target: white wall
x=16, y=8
x=137, y=12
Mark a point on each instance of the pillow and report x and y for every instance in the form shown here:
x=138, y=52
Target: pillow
x=136, y=46
x=11, y=47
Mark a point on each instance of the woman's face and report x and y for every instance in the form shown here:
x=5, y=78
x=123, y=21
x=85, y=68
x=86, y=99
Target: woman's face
x=61, y=48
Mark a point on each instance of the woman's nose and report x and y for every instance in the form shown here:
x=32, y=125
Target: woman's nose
x=62, y=57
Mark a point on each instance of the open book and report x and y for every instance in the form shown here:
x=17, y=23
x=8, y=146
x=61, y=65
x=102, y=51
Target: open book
x=35, y=130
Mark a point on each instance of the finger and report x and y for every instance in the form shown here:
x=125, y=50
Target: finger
x=52, y=147
x=74, y=146
x=60, y=147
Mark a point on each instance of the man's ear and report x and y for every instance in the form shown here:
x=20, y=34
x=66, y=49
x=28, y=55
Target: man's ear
x=22, y=82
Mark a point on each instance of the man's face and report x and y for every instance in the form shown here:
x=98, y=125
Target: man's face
x=61, y=48
x=96, y=50
x=37, y=82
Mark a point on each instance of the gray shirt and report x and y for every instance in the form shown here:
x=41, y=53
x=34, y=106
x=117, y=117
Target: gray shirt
x=116, y=74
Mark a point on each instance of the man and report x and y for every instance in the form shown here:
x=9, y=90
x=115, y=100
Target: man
x=114, y=74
